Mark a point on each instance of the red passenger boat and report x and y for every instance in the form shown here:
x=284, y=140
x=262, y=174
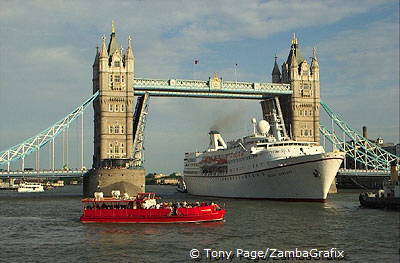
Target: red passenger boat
x=145, y=209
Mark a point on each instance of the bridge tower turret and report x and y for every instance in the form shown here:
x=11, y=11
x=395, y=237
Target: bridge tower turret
x=113, y=75
x=276, y=74
x=301, y=109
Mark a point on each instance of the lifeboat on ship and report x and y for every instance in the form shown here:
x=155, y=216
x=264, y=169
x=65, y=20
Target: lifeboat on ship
x=147, y=208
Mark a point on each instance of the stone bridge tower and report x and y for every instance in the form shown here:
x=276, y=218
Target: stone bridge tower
x=113, y=74
x=301, y=109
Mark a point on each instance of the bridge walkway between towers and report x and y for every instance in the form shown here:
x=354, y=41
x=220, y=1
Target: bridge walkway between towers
x=214, y=88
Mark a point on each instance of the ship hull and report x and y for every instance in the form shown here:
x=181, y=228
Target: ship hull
x=183, y=215
x=392, y=203
x=172, y=219
x=305, y=178
x=30, y=189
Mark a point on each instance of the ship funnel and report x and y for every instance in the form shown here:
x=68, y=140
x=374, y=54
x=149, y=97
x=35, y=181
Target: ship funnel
x=216, y=141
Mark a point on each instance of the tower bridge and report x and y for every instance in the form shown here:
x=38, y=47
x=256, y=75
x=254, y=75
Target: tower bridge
x=119, y=126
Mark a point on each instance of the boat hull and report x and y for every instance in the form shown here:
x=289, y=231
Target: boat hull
x=392, y=203
x=30, y=190
x=306, y=178
x=182, y=215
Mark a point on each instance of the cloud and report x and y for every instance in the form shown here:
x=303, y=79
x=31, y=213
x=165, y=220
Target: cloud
x=371, y=52
x=360, y=76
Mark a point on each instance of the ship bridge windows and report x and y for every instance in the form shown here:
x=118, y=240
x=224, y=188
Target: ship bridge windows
x=288, y=144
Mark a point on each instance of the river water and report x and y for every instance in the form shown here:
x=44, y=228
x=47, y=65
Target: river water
x=45, y=227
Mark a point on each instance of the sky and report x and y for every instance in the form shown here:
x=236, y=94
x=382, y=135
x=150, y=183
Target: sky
x=48, y=48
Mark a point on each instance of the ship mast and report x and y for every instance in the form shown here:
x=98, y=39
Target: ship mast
x=275, y=117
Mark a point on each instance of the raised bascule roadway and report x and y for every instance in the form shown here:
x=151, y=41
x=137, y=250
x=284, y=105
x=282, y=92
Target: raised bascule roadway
x=375, y=160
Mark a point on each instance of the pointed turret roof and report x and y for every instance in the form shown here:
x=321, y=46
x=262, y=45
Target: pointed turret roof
x=295, y=52
x=292, y=60
x=314, y=61
x=96, y=59
x=129, y=51
x=103, y=50
x=113, y=45
x=276, y=70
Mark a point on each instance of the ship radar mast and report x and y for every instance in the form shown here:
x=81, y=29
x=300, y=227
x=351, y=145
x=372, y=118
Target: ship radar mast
x=275, y=118
x=254, y=122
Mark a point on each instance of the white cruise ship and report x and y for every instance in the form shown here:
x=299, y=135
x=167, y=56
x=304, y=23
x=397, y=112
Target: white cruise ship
x=264, y=165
